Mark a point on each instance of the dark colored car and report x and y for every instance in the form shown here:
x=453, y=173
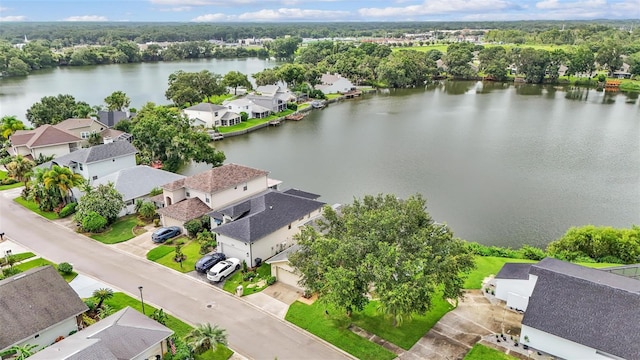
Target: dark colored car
x=163, y=234
x=206, y=262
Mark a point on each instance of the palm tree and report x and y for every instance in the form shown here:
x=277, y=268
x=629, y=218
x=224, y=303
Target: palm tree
x=9, y=125
x=102, y=295
x=20, y=168
x=204, y=337
x=63, y=179
x=23, y=352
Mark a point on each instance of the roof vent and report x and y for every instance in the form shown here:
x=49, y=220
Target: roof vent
x=270, y=207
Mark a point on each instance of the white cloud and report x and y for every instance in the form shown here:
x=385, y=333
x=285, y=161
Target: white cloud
x=177, y=9
x=211, y=17
x=2, y=8
x=13, y=18
x=86, y=18
x=555, y=4
x=292, y=14
x=431, y=7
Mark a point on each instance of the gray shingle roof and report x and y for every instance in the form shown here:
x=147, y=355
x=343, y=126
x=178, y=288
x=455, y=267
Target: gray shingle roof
x=270, y=211
x=587, y=306
x=217, y=179
x=33, y=301
x=284, y=255
x=301, y=193
x=97, y=153
x=125, y=335
x=206, y=107
x=514, y=271
x=138, y=181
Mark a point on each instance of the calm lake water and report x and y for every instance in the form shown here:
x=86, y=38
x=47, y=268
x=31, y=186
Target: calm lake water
x=500, y=164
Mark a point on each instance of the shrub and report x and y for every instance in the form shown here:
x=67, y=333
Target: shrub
x=271, y=280
x=93, y=222
x=193, y=227
x=602, y=78
x=8, y=181
x=156, y=222
x=248, y=276
x=532, y=253
x=292, y=106
x=611, y=259
x=68, y=209
x=65, y=268
x=155, y=191
x=147, y=210
x=90, y=304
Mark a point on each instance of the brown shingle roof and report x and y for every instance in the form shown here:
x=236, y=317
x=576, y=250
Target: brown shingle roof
x=33, y=301
x=217, y=179
x=70, y=124
x=43, y=136
x=185, y=210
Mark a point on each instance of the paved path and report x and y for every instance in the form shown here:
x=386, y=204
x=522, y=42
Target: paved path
x=252, y=332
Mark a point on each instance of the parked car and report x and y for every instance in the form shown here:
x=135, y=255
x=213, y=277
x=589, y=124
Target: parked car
x=206, y=262
x=163, y=234
x=224, y=268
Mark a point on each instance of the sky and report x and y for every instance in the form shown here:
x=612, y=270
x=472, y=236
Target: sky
x=315, y=10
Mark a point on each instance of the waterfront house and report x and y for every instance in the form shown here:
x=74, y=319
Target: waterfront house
x=575, y=312
x=247, y=106
x=113, y=117
x=211, y=115
x=264, y=225
x=137, y=182
x=38, y=306
x=334, y=84
x=81, y=128
x=97, y=161
x=127, y=334
x=45, y=140
x=197, y=195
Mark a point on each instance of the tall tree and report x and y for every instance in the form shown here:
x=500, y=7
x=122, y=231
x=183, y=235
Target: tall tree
x=284, y=48
x=234, y=79
x=382, y=243
x=104, y=200
x=63, y=179
x=117, y=101
x=9, y=125
x=46, y=198
x=164, y=134
x=193, y=87
x=493, y=62
x=53, y=109
x=458, y=60
x=206, y=337
x=581, y=60
x=266, y=77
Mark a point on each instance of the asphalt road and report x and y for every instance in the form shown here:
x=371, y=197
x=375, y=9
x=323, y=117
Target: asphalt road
x=251, y=332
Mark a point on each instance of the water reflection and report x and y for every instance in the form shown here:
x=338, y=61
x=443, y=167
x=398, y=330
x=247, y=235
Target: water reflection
x=528, y=89
x=577, y=93
x=457, y=87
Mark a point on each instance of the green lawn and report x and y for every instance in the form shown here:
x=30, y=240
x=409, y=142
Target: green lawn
x=43, y=262
x=253, y=122
x=302, y=106
x=3, y=175
x=34, y=207
x=481, y=352
x=407, y=334
x=192, y=252
x=333, y=96
x=121, y=230
x=19, y=257
x=159, y=251
x=487, y=265
x=333, y=328
x=181, y=329
x=230, y=285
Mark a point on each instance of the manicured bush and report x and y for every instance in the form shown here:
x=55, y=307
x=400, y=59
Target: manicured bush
x=93, y=222
x=193, y=227
x=65, y=268
x=532, y=253
x=292, y=106
x=68, y=209
x=147, y=210
x=271, y=280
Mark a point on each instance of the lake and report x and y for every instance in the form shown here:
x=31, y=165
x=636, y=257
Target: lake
x=501, y=164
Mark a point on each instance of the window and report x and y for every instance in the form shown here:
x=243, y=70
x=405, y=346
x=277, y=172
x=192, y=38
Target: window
x=84, y=134
x=215, y=114
x=245, y=187
x=206, y=199
x=289, y=226
x=80, y=166
x=95, y=177
x=187, y=193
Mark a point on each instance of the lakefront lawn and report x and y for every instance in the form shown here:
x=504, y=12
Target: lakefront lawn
x=253, y=122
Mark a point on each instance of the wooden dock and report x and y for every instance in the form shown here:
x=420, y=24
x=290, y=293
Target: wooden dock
x=275, y=122
x=294, y=117
x=612, y=85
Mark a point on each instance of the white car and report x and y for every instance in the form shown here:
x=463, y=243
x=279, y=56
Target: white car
x=224, y=268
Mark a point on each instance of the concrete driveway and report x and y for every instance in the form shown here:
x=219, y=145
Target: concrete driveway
x=139, y=245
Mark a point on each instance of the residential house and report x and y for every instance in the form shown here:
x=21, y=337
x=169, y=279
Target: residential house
x=45, y=140
x=111, y=135
x=263, y=225
x=623, y=72
x=38, y=306
x=575, y=312
x=334, y=84
x=81, y=128
x=197, y=195
x=127, y=334
x=111, y=118
x=272, y=102
x=136, y=183
x=278, y=90
x=247, y=106
x=514, y=285
x=212, y=115
x=98, y=161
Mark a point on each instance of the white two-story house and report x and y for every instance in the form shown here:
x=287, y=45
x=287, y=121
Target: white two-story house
x=334, y=84
x=212, y=115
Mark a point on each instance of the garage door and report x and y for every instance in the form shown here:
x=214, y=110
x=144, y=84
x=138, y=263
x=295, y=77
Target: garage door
x=287, y=277
x=233, y=252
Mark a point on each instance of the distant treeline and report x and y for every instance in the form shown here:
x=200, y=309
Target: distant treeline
x=62, y=34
